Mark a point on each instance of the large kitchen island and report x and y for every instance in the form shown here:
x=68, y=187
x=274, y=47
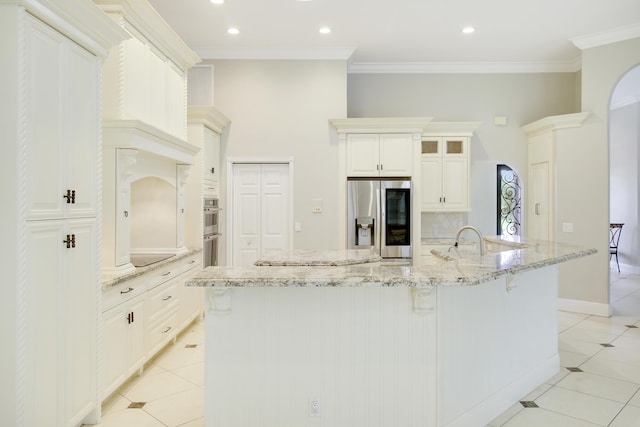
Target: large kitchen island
x=344, y=339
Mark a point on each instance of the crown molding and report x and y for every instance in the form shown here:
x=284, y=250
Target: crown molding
x=607, y=37
x=451, y=128
x=464, y=67
x=144, y=18
x=381, y=124
x=207, y=115
x=81, y=21
x=309, y=53
x=555, y=122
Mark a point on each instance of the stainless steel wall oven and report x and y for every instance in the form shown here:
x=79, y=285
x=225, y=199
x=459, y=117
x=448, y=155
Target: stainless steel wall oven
x=211, y=231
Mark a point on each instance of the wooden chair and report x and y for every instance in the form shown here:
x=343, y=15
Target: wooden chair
x=614, y=237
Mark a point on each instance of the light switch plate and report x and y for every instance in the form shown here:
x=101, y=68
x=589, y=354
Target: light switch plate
x=567, y=227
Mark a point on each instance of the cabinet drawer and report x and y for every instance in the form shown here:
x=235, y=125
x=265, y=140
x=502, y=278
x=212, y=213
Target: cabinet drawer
x=162, y=300
x=161, y=331
x=211, y=188
x=190, y=263
x=123, y=292
x=163, y=274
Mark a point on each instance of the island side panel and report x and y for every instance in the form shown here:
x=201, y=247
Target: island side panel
x=497, y=342
x=364, y=353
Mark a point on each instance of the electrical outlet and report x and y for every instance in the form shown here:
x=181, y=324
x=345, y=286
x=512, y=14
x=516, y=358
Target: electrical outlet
x=567, y=227
x=314, y=407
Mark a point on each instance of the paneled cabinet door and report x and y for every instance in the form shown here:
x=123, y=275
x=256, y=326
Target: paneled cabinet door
x=63, y=126
x=445, y=174
x=363, y=154
x=62, y=286
x=455, y=174
x=211, y=161
x=396, y=154
x=123, y=343
x=379, y=155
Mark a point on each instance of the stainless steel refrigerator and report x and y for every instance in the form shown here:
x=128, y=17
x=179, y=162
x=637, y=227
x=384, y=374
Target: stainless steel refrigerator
x=379, y=216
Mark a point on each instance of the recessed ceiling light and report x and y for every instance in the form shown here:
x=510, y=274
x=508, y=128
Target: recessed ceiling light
x=217, y=1
x=324, y=30
x=468, y=30
x=233, y=30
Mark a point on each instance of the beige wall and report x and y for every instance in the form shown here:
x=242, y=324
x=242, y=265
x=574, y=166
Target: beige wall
x=282, y=109
x=522, y=98
x=583, y=172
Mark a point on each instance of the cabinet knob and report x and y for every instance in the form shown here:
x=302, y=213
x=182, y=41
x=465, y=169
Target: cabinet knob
x=213, y=170
x=126, y=214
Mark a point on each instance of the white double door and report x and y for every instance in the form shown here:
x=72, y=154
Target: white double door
x=261, y=216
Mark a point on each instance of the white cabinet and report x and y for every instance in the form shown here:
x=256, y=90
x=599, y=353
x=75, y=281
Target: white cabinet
x=143, y=314
x=123, y=332
x=211, y=162
x=379, y=154
x=61, y=160
x=146, y=75
x=543, y=136
x=51, y=60
x=206, y=126
x=445, y=173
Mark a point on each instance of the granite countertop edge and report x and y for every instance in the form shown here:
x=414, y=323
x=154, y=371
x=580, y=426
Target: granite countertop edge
x=109, y=281
x=463, y=272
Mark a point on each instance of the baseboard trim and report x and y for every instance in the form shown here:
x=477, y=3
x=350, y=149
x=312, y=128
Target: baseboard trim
x=584, y=307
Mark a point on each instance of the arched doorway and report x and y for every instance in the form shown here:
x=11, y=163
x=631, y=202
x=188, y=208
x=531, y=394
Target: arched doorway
x=624, y=159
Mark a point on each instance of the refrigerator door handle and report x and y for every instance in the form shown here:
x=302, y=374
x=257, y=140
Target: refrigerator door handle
x=380, y=214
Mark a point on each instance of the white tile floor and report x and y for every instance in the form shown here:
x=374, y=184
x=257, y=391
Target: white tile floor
x=606, y=393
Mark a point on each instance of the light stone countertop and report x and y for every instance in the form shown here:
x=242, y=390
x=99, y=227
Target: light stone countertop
x=316, y=257
x=504, y=258
x=109, y=281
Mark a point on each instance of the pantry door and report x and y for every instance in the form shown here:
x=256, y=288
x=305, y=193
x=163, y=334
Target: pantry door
x=261, y=218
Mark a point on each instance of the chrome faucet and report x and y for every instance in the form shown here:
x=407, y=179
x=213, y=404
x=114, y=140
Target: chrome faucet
x=468, y=227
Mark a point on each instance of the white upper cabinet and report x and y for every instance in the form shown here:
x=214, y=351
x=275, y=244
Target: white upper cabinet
x=379, y=154
x=146, y=75
x=445, y=173
x=61, y=158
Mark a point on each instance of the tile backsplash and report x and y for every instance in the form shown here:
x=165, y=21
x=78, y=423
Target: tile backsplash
x=442, y=224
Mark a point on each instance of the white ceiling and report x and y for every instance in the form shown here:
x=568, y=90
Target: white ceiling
x=423, y=35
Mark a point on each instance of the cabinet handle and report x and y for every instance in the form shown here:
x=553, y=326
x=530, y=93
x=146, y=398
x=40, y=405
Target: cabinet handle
x=444, y=200
x=129, y=317
x=213, y=170
x=381, y=167
x=70, y=196
x=166, y=330
x=132, y=320
x=126, y=214
x=127, y=291
x=167, y=298
x=71, y=241
x=166, y=274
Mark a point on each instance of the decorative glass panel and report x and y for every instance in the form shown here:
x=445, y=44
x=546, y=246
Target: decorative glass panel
x=509, y=202
x=430, y=147
x=454, y=147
